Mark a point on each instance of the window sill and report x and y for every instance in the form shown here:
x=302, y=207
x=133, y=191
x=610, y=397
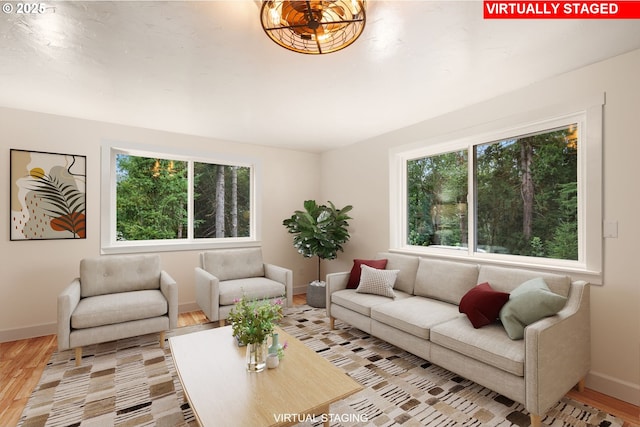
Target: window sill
x=175, y=246
x=575, y=270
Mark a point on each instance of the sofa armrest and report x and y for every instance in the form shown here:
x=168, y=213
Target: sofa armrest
x=208, y=293
x=67, y=302
x=335, y=282
x=169, y=289
x=282, y=275
x=558, y=351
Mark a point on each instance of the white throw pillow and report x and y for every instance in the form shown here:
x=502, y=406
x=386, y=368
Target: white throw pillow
x=377, y=282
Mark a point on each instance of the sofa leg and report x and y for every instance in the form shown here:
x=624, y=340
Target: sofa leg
x=162, y=339
x=332, y=322
x=580, y=385
x=536, y=420
x=78, y=356
x=221, y=322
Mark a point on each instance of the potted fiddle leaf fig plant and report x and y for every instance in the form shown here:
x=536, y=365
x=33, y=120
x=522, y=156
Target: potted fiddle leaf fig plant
x=319, y=230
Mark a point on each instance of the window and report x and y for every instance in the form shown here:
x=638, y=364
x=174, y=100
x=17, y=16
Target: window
x=437, y=200
x=222, y=201
x=527, y=195
x=163, y=200
x=151, y=198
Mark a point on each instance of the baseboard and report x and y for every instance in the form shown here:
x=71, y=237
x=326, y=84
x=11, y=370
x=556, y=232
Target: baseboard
x=614, y=387
x=8, y=335
x=28, y=332
x=300, y=289
x=188, y=307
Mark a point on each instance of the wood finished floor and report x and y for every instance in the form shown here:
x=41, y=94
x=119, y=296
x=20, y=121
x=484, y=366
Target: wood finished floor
x=22, y=363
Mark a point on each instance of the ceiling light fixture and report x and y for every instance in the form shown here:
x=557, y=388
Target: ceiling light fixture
x=313, y=27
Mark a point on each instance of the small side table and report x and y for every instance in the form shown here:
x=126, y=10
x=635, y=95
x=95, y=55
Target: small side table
x=316, y=295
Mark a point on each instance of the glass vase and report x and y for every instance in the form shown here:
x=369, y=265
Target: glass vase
x=257, y=356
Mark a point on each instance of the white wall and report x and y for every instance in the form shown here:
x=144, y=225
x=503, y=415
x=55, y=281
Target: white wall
x=33, y=273
x=358, y=175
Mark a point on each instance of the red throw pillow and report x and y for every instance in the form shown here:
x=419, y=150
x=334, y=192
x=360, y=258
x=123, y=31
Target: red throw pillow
x=482, y=304
x=354, y=278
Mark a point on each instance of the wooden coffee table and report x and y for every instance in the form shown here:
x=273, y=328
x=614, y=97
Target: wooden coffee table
x=212, y=370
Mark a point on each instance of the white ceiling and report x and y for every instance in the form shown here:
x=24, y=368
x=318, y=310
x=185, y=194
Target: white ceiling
x=207, y=68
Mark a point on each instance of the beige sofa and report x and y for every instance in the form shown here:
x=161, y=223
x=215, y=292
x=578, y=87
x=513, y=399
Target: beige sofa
x=424, y=319
x=226, y=275
x=118, y=296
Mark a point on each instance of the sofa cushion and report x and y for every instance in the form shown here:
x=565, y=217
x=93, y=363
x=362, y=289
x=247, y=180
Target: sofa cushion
x=252, y=288
x=118, y=273
x=408, y=266
x=445, y=280
x=230, y=264
x=362, y=303
x=120, y=307
x=354, y=276
x=528, y=303
x=415, y=315
x=377, y=282
x=507, y=279
x=482, y=304
x=489, y=344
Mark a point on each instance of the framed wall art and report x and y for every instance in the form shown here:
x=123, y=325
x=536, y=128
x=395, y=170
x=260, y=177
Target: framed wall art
x=48, y=195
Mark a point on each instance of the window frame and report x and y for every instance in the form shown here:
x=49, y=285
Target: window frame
x=108, y=186
x=590, y=238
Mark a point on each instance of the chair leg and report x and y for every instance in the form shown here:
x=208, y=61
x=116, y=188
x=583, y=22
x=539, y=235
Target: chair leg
x=221, y=322
x=162, y=339
x=580, y=385
x=536, y=420
x=78, y=356
x=332, y=323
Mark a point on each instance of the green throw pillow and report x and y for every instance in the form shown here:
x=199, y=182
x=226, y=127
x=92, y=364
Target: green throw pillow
x=528, y=303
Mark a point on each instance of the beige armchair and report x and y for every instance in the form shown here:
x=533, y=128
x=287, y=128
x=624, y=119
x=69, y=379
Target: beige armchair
x=225, y=275
x=116, y=297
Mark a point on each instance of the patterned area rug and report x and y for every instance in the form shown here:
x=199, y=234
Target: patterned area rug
x=133, y=383
x=405, y=390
